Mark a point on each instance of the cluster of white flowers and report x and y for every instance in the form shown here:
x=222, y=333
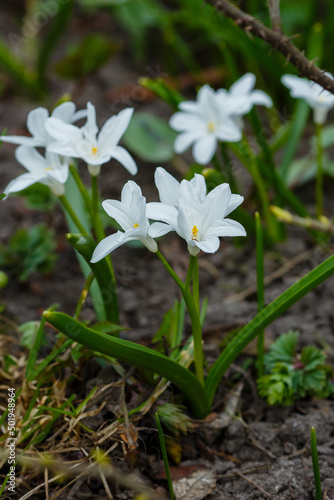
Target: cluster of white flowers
x=62, y=141
x=198, y=217
x=215, y=116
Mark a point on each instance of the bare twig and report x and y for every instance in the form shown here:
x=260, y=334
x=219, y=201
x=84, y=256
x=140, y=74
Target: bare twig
x=238, y=473
x=279, y=41
x=275, y=15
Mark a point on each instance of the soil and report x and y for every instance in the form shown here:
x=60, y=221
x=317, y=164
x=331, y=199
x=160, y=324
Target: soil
x=265, y=452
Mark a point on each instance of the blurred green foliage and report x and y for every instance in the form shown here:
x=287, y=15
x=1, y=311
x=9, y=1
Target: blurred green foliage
x=29, y=251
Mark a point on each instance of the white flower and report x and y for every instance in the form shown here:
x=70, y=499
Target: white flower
x=197, y=217
x=203, y=123
x=93, y=147
x=170, y=194
x=320, y=100
x=130, y=214
x=51, y=171
x=36, y=120
x=241, y=96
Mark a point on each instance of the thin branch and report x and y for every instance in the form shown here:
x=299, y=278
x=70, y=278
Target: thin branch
x=275, y=15
x=279, y=41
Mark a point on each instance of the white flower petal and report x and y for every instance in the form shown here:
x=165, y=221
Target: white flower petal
x=226, y=227
x=127, y=192
x=168, y=187
x=185, y=121
x=120, y=154
x=244, y=85
x=36, y=123
x=118, y=211
x=158, y=229
x=234, y=202
x=204, y=149
x=64, y=112
x=31, y=159
x=162, y=212
x=63, y=132
x=209, y=245
x=105, y=246
x=184, y=140
x=64, y=148
x=21, y=139
x=21, y=182
x=261, y=99
x=113, y=130
x=229, y=131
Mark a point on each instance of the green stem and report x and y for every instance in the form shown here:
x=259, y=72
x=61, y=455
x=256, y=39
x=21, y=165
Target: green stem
x=196, y=283
x=315, y=463
x=98, y=227
x=83, y=295
x=260, y=291
x=164, y=457
x=319, y=175
x=63, y=200
x=194, y=317
x=81, y=187
x=190, y=271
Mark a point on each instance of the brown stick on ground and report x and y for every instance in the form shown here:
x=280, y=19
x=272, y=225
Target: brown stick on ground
x=279, y=41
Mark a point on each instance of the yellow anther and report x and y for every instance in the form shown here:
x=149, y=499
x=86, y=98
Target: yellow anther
x=136, y=225
x=48, y=168
x=94, y=150
x=211, y=127
x=194, y=233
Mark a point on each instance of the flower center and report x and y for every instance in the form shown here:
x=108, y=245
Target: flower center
x=94, y=150
x=47, y=169
x=194, y=233
x=136, y=225
x=211, y=127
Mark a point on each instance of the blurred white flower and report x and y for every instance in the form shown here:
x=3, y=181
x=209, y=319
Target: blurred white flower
x=215, y=116
x=320, y=100
x=197, y=217
x=130, y=214
x=50, y=170
x=203, y=123
x=94, y=147
x=36, y=120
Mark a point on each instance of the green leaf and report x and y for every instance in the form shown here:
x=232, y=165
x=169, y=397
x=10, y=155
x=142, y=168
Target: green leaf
x=136, y=355
x=29, y=331
x=150, y=138
x=159, y=87
x=3, y=279
x=263, y=319
x=283, y=350
x=108, y=298
x=277, y=386
x=2, y=196
x=108, y=328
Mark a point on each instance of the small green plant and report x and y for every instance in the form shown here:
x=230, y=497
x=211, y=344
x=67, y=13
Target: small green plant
x=292, y=375
x=29, y=251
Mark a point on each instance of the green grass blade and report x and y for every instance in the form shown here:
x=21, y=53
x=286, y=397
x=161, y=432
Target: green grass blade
x=263, y=319
x=164, y=456
x=301, y=114
x=30, y=371
x=17, y=70
x=53, y=35
x=86, y=246
x=260, y=290
x=136, y=355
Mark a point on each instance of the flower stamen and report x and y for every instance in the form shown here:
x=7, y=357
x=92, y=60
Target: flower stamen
x=194, y=233
x=94, y=150
x=136, y=225
x=47, y=169
x=211, y=127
